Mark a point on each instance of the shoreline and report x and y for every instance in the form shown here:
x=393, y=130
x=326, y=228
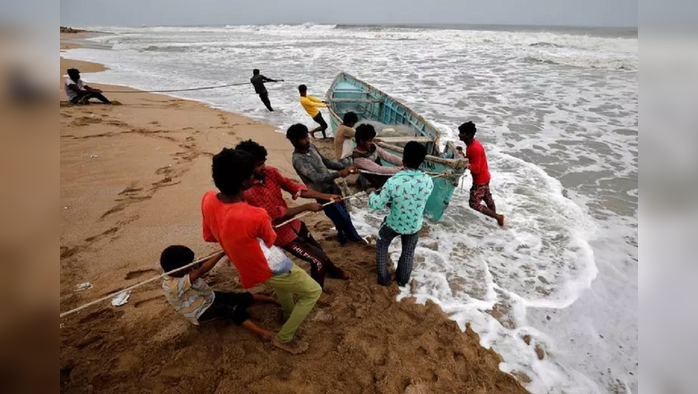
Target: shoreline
x=131, y=181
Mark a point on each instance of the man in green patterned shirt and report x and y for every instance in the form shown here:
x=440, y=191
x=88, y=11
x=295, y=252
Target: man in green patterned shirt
x=408, y=192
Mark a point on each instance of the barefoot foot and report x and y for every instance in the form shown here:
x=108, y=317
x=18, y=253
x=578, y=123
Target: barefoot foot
x=324, y=299
x=293, y=347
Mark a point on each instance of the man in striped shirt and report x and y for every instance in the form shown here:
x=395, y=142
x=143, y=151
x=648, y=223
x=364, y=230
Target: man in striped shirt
x=195, y=300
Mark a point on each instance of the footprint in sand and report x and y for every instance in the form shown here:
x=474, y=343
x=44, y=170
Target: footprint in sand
x=116, y=209
x=164, y=170
x=102, y=235
x=140, y=303
x=131, y=190
x=117, y=123
x=86, y=121
x=138, y=273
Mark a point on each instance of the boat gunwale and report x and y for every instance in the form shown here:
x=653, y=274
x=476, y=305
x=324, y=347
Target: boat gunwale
x=457, y=164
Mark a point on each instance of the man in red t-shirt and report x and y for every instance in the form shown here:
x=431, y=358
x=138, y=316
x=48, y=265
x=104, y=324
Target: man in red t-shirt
x=480, y=171
x=237, y=226
x=293, y=237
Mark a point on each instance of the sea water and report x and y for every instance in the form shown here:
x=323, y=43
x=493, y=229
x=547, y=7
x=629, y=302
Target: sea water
x=557, y=112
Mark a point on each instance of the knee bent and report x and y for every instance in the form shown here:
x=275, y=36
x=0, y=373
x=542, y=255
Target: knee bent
x=316, y=292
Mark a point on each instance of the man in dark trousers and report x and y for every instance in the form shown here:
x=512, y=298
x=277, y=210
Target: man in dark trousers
x=79, y=93
x=258, y=83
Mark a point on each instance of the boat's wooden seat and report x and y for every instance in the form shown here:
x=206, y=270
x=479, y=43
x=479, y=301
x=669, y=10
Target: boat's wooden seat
x=355, y=100
x=406, y=139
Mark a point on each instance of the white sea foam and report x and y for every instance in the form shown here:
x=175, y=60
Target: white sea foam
x=557, y=114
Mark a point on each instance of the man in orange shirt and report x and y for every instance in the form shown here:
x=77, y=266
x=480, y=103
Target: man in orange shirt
x=238, y=227
x=311, y=105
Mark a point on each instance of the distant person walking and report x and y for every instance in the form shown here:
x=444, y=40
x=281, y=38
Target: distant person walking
x=79, y=93
x=257, y=81
x=311, y=105
x=480, y=171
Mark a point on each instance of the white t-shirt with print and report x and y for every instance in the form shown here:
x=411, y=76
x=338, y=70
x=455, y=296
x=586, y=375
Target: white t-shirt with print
x=68, y=92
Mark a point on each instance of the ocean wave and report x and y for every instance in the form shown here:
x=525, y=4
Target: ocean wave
x=583, y=61
x=545, y=45
x=167, y=48
x=303, y=26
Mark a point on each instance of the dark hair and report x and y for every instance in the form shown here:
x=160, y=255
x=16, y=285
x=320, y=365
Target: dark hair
x=231, y=168
x=73, y=72
x=413, y=154
x=255, y=71
x=459, y=148
x=297, y=132
x=467, y=128
x=364, y=133
x=174, y=257
x=350, y=117
x=302, y=88
x=258, y=152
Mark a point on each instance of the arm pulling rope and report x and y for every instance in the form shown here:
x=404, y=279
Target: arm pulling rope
x=112, y=295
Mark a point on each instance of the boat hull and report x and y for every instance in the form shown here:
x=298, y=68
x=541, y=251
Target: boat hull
x=348, y=93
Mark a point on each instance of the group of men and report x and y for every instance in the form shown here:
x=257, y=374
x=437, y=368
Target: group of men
x=248, y=214
x=249, y=217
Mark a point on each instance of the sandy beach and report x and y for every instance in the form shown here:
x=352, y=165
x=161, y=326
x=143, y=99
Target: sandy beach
x=131, y=181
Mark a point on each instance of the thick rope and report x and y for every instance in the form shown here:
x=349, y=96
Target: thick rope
x=178, y=90
x=137, y=285
x=114, y=294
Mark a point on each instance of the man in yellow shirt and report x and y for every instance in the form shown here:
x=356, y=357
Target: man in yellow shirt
x=311, y=105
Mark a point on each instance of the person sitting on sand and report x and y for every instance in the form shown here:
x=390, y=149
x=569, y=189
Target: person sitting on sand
x=314, y=169
x=343, y=136
x=311, y=105
x=257, y=81
x=293, y=237
x=368, y=158
x=195, y=300
x=79, y=93
x=408, y=192
x=480, y=171
x=238, y=227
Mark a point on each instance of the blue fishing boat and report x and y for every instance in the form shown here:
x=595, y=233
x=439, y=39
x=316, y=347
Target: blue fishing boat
x=348, y=93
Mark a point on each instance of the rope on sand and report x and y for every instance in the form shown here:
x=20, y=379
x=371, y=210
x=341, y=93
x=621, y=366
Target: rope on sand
x=137, y=285
x=114, y=294
x=178, y=90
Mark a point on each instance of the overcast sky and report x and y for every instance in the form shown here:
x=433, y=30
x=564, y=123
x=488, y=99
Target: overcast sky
x=222, y=12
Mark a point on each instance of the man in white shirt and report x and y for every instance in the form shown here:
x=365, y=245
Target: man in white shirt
x=78, y=92
x=343, y=137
